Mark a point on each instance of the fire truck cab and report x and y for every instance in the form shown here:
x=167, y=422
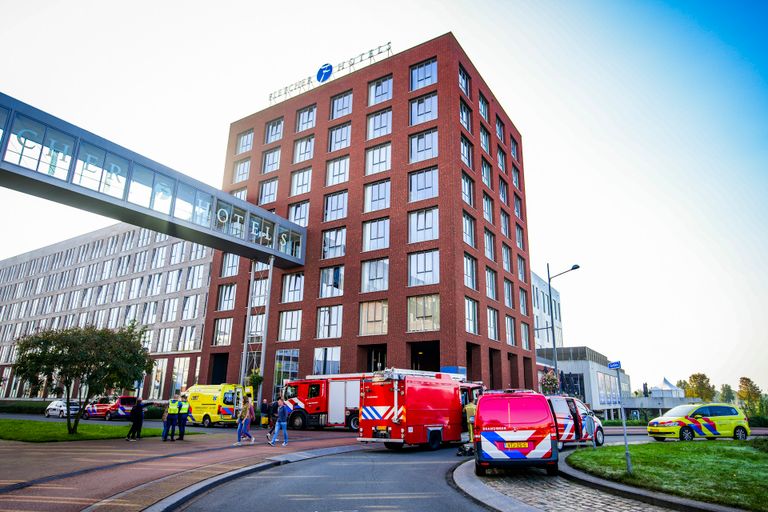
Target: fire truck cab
x=324, y=401
x=412, y=407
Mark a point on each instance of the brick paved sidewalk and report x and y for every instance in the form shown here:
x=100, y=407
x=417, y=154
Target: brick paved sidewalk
x=135, y=474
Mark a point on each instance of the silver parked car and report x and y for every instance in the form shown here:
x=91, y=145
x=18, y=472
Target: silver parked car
x=58, y=408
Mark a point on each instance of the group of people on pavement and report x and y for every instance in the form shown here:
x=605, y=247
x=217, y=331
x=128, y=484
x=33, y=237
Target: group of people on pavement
x=176, y=412
x=274, y=418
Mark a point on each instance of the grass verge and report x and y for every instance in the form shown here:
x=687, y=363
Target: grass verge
x=31, y=431
x=725, y=472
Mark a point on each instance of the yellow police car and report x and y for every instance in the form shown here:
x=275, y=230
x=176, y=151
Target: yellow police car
x=686, y=422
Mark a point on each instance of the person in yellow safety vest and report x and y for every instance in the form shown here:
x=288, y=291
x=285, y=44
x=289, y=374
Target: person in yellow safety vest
x=470, y=409
x=185, y=410
x=172, y=418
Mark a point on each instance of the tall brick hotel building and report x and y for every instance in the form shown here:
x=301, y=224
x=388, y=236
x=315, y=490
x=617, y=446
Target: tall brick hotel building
x=409, y=177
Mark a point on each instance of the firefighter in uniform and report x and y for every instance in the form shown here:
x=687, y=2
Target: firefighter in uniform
x=171, y=418
x=469, y=413
x=184, y=411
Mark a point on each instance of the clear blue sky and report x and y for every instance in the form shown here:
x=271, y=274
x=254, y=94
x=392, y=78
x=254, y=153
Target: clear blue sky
x=645, y=130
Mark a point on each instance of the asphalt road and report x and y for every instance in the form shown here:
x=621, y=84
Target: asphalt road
x=370, y=480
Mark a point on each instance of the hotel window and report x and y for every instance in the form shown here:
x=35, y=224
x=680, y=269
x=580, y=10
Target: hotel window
x=423, y=74
x=273, y=131
x=375, y=276
x=423, y=225
x=337, y=171
x=487, y=208
x=510, y=328
x=491, y=290
x=521, y=269
x=423, y=146
x=465, y=116
x=483, y=106
x=424, y=268
x=242, y=169
x=380, y=124
x=464, y=81
x=501, y=159
x=499, y=129
x=516, y=176
x=504, y=191
x=293, y=287
x=376, y=234
x=334, y=243
x=518, y=207
x=286, y=368
x=513, y=148
x=490, y=242
x=299, y=213
x=470, y=272
x=267, y=191
x=270, y=161
x=290, y=326
x=222, y=332
x=229, y=264
x=470, y=316
x=329, y=320
x=335, y=206
x=378, y=159
x=493, y=324
x=259, y=293
x=380, y=90
x=241, y=193
x=332, y=281
x=341, y=105
x=506, y=258
x=423, y=109
x=466, y=152
x=468, y=226
x=197, y=251
x=509, y=298
x=374, y=318
x=519, y=237
x=189, y=307
x=301, y=181
x=504, y=221
x=303, y=149
x=226, y=297
x=376, y=196
x=523, y=301
x=327, y=361
x=467, y=190
x=305, y=118
x=422, y=184
x=338, y=137
x=424, y=313
x=244, y=142
x=486, y=173
x=524, y=334
x=485, y=139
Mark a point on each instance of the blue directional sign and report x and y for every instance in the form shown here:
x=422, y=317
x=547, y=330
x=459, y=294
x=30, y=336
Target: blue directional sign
x=324, y=73
x=614, y=365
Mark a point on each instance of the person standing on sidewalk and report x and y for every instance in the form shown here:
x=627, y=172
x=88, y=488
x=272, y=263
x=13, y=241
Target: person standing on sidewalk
x=185, y=410
x=137, y=420
x=243, y=422
x=282, y=422
x=171, y=418
x=264, y=410
x=274, y=406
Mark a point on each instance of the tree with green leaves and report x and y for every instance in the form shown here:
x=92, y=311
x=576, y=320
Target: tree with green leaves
x=700, y=387
x=683, y=384
x=85, y=361
x=749, y=395
x=726, y=394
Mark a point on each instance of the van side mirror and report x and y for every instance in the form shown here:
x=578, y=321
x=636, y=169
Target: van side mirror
x=698, y=417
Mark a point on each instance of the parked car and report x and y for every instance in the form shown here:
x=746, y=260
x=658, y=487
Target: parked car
x=513, y=430
x=571, y=415
x=103, y=407
x=687, y=422
x=58, y=408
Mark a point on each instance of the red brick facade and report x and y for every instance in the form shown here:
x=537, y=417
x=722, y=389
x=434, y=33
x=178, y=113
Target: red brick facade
x=496, y=363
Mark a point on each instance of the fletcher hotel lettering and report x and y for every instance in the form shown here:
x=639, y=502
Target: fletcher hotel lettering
x=349, y=65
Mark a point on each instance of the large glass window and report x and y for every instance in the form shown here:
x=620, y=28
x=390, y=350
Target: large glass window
x=380, y=90
x=329, y=321
x=509, y=325
x=464, y=81
x=423, y=74
x=468, y=227
x=327, y=361
x=339, y=137
x=335, y=206
x=337, y=171
x=465, y=116
x=242, y=170
x=470, y=272
x=485, y=140
x=373, y=318
x=499, y=129
x=229, y=264
x=467, y=189
x=222, y=332
x=226, y=297
x=493, y=324
x=375, y=275
x=519, y=237
x=376, y=196
x=244, y=142
x=513, y=148
x=380, y=124
x=334, y=243
x=341, y=105
x=301, y=181
x=423, y=146
x=466, y=152
x=424, y=268
x=273, y=131
x=486, y=173
x=506, y=258
x=521, y=270
x=423, y=225
x=286, y=368
x=378, y=159
x=490, y=245
x=293, y=287
x=525, y=335
x=490, y=284
x=504, y=221
x=487, y=208
x=424, y=313
x=376, y=234
x=523, y=301
x=270, y=162
x=290, y=326
x=509, y=300
x=501, y=159
x=422, y=184
x=267, y=191
x=332, y=281
x=303, y=149
x=470, y=316
x=299, y=213
x=483, y=106
x=424, y=109
x=305, y=118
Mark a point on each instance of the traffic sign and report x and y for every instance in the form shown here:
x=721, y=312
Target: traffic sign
x=324, y=73
x=614, y=365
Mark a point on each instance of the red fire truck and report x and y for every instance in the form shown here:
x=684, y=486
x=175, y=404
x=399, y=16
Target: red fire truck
x=399, y=407
x=324, y=400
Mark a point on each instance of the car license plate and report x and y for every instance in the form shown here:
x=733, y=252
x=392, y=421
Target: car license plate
x=516, y=444
x=381, y=427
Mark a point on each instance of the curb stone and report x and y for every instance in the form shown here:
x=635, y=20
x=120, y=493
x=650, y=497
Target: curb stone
x=636, y=493
x=465, y=479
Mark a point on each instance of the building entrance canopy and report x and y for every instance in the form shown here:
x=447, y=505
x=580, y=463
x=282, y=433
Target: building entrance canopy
x=50, y=158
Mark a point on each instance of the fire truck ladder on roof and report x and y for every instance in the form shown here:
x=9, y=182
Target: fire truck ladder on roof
x=400, y=373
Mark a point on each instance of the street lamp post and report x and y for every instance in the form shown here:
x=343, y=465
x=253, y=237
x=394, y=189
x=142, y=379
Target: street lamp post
x=552, y=322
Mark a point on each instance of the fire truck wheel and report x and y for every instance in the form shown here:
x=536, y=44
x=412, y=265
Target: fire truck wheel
x=434, y=441
x=479, y=470
x=207, y=421
x=394, y=446
x=354, y=423
x=298, y=421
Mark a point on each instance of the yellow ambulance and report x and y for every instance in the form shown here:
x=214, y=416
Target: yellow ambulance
x=212, y=404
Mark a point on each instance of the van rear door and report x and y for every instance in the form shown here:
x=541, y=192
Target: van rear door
x=515, y=426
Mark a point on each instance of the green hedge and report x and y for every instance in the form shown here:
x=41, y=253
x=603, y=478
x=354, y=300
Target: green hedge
x=758, y=421
x=24, y=406
x=630, y=423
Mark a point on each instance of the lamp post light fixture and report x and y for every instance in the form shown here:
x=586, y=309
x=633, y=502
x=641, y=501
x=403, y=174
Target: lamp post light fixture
x=552, y=322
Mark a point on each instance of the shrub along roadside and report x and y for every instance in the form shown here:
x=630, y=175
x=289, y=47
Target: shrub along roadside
x=23, y=406
x=630, y=423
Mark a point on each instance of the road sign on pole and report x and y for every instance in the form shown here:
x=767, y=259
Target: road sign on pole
x=617, y=365
x=614, y=365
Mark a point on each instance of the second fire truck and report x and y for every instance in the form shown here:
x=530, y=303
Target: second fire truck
x=324, y=400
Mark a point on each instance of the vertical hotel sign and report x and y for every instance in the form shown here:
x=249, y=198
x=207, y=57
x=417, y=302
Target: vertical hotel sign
x=328, y=71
